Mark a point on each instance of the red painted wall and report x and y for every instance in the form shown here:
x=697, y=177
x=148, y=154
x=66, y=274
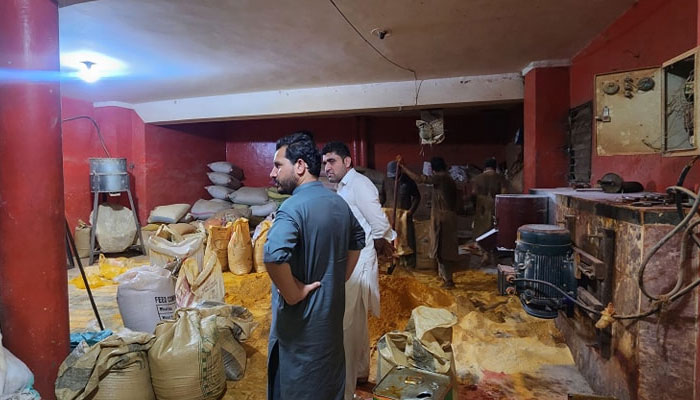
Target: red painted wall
x=648, y=34
x=176, y=162
x=470, y=139
x=166, y=164
x=81, y=142
x=545, y=127
x=251, y=144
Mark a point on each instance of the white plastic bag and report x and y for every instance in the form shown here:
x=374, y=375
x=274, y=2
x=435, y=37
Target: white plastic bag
x=200, y=284
x=115, y=228
x=166, y=245
x=14, y=374
x=146, y=296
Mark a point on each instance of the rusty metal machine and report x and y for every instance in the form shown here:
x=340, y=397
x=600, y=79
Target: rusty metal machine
x=543, y=270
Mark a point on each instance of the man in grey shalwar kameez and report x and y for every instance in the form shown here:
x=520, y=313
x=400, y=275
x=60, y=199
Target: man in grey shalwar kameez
x=311, y=250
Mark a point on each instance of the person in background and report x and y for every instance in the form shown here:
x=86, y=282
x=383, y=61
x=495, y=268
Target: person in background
x=443, y=216
x=362, y=289
x=407, y=204
x=485, y=187
x=311, y=250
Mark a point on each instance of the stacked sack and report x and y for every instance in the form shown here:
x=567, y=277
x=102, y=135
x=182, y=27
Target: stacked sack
x=225, y=178
x=189, y=356
x=256, y=198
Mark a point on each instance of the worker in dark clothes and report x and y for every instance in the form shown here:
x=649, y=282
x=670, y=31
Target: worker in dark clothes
x=311, y=250
x=443, y=216
x=407, y=204
x=485, y=187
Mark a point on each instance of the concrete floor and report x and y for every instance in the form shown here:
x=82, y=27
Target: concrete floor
x=473, y=298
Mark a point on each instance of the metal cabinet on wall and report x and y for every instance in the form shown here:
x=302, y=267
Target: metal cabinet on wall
x=650, y=110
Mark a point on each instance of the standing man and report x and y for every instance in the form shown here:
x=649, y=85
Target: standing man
x=443, y=216
x=408, y=199
x=311, y=250
x=362, y=289
x=485, y=187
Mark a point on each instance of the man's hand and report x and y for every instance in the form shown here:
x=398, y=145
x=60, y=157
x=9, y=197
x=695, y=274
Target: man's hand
x=385, y=250
x=292, y=290
x=304, y=290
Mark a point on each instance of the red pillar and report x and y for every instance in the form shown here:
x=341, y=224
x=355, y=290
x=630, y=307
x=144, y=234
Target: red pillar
x=546, y=108
x=33, y=287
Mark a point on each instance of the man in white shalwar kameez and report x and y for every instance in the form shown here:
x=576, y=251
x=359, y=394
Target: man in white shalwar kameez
x=362, y=289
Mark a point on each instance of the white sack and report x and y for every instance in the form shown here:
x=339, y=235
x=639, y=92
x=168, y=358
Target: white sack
x=264, y=210
x=252, y=196
x=14, y=374
x=219, y=192
x=221, y=179
x=146, y=296
x=205, y=209
x=169, y=214
x=115, y=228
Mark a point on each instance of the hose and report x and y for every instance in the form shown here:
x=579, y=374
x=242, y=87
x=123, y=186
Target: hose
x=97, y=128
x=678, y=290
x=661, y=243
x=681, y=179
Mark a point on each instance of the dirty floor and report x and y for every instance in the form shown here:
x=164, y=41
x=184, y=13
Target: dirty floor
x=500, y=351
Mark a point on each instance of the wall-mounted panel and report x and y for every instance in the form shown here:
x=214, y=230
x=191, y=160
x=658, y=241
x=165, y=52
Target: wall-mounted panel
x=628, y=112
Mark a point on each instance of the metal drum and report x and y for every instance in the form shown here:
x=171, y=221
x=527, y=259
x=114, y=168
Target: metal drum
x=515, y=210
x=108, y=175
x=543, y=252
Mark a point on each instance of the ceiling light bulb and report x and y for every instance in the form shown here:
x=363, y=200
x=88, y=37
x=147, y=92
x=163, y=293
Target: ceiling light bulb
x=88, y=72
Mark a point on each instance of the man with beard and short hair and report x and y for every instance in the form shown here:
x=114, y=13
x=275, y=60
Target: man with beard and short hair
x=362, y=289
x=311, y=250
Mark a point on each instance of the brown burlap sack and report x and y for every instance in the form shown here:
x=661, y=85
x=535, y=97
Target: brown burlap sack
x=115, y=368
x=217, y=241
x=185, y=358
x=240, y=248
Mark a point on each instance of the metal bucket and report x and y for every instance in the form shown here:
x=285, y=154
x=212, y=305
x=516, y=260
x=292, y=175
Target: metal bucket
x=108, y=175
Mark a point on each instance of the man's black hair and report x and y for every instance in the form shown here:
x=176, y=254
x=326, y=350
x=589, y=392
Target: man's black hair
x=438, y=164
x=491, y=163
x=338, y=148
x=301, y=145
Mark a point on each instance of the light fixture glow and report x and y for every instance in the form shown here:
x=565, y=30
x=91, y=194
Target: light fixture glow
x=88, y=72
x=91, y=66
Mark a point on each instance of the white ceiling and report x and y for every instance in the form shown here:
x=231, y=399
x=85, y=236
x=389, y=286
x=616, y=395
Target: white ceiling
x=177, y=49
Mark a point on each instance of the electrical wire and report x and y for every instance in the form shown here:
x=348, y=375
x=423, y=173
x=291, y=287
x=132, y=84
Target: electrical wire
x=679, y=184
x=661, y=243
x=678, y=291
x=415, y=75
x=557, y=288
x=644, y=314
x=97, y=128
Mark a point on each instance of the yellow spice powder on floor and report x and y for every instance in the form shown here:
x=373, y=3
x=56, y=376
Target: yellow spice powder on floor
x=493, y=335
